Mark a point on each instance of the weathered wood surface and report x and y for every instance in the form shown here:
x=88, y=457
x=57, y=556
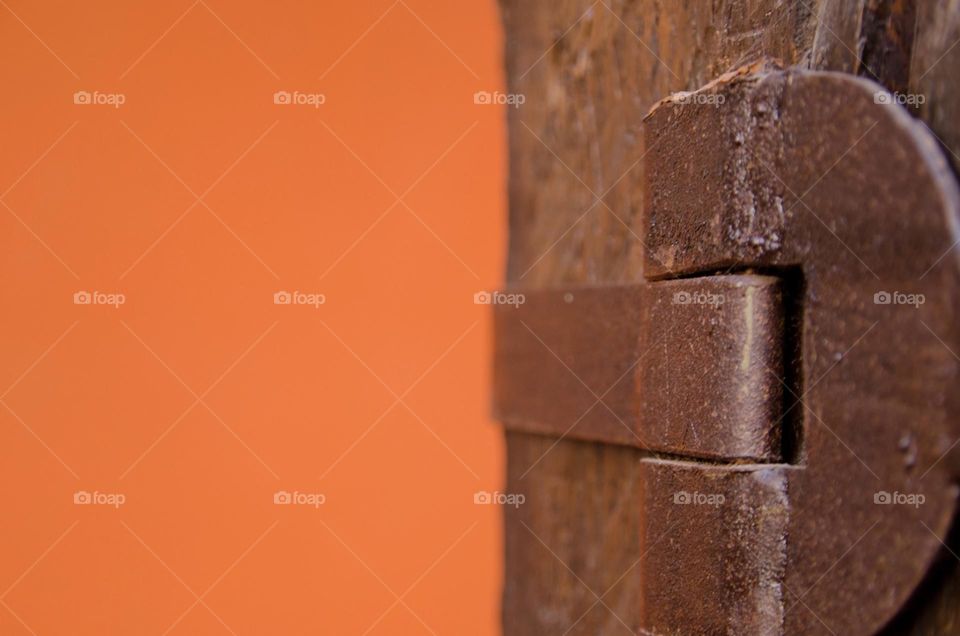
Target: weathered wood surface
x=590, y=71
x=575, y=540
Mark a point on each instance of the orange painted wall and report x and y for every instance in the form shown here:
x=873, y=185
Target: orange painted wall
x=181, y=412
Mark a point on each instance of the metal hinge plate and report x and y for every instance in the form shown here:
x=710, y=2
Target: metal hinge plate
x=814, y=402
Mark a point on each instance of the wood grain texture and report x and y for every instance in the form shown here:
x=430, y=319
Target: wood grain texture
x=572, y=549
x=935, y=71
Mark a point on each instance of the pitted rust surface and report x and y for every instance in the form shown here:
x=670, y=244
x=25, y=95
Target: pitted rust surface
x=686, y=367
x=709, y=381
x=714, y=539
x=734, y=201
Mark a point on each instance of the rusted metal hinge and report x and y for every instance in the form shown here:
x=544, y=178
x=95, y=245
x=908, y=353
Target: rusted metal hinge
x=688, y=367
x=786, y=360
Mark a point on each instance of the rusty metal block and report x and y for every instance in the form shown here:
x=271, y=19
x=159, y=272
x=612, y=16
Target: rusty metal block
x=709, y=384
x=714, y=546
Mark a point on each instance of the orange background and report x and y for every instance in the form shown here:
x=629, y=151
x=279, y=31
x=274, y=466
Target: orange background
x=199, y=398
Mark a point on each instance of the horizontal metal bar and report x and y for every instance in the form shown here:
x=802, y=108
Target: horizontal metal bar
x=690, y=367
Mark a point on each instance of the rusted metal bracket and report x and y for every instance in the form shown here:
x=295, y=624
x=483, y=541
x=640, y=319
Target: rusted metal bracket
x=839, y=217
x=688, y=367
